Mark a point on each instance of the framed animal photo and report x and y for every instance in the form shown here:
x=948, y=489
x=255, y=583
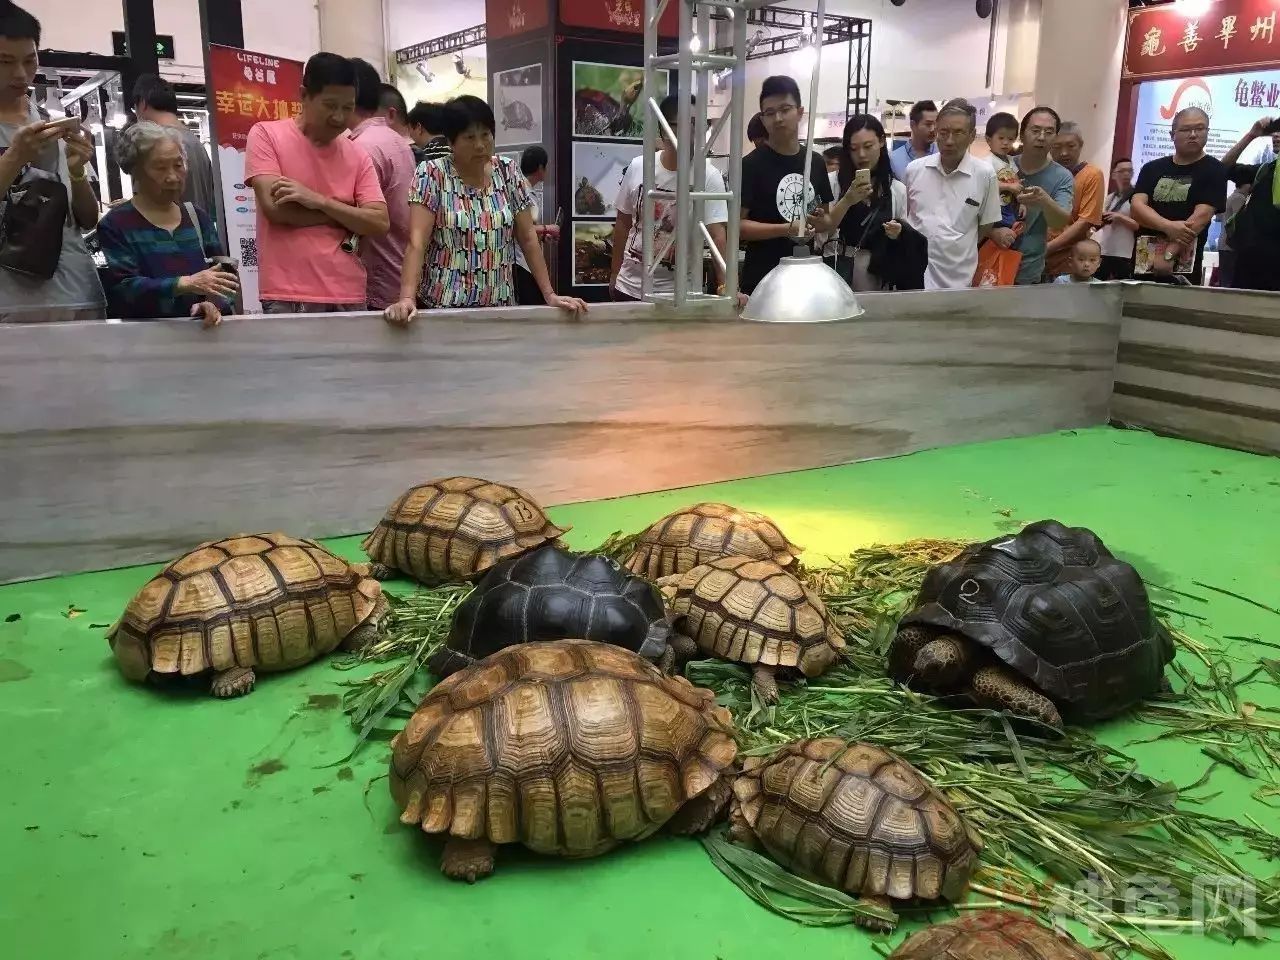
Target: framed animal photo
x=597, y=175
x=517, y=106
x=608, y=101
x=592, y=253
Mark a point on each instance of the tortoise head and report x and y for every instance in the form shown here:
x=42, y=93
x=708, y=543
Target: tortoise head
x=657, y=639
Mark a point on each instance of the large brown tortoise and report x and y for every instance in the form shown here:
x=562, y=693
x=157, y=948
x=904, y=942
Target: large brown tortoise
x=250, y=603
x=703, y=532
x=453, y=530
x=992, y=935
x=857, y=818
x=569, y=747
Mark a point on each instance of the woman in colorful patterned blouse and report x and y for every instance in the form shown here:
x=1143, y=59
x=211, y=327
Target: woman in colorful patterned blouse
x=159, y=250
x=470, y=209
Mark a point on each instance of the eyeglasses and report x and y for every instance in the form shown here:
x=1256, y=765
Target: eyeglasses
x=783, y=111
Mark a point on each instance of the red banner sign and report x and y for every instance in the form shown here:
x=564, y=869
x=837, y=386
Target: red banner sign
x=247, y=87
x=623, y=16
x=506, y=18
x=1165, y=41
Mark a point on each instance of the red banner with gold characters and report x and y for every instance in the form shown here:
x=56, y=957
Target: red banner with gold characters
x=624, y=16
x=246, y=88
x=1204, y=37
x=506, y=18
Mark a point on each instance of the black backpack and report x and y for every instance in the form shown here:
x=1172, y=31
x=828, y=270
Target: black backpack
x=31, y=227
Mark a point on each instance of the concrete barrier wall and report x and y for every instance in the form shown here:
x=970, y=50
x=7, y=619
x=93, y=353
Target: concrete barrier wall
x=122, y=443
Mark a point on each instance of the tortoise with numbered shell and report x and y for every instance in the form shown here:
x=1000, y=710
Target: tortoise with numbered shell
x=455, y=529
x=551, y=594
x=857, y=818
x=754, y=612
x=992, y=935
x=247, y=604
x=1045, y=624
x=568, y=747
x=694, y=535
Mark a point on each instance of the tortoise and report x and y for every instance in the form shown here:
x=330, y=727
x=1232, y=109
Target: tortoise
x=1044, y=624
x=599, y=114
x=250, y=603
x=455, y=529
x=857, y=818
x=692, y=535
x=516, y=114
x=551, y=594
x=587, y=200
x=569, y=747
x=756, y=613
x=992, y=935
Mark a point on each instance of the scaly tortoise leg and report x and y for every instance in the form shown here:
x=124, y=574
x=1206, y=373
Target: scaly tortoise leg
x=740, y=831
x=367, y=632
x=698, y=815
x=875, y=924
x=380, y=571
x=764, y=683
x=943, y=662
x=468, y=860
x=998, y=687
x=236, y=682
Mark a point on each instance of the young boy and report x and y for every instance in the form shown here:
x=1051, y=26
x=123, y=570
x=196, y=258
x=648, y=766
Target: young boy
x=1086, y=258
x=1002, y=133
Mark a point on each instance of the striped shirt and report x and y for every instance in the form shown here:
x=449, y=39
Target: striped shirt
x=473, y=244
x=433, y=149
x=145, y=262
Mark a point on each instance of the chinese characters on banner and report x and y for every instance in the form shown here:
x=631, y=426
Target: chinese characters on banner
x=1165, y=42
x=624, y=16
x=245, y=88
x=506, y=18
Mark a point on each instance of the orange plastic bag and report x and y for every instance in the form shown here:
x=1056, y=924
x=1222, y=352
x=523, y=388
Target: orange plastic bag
x=997, y=267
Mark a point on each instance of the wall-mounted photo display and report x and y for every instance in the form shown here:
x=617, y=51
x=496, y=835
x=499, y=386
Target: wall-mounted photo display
x=592, y=253
x=608, y=100
x=597, y=175
x=517, y=105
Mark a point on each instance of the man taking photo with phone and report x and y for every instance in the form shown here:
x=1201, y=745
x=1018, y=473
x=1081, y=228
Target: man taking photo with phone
x=1255, y=230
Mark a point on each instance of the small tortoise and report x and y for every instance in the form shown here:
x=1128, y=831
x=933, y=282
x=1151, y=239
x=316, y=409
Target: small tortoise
x=1044, y=624
x=992, y=935
x=856, y=818
x=754, y=612
x=568, y=747
x=455, y=529
x=263, y=602
x=551, y=594
x=707, y=531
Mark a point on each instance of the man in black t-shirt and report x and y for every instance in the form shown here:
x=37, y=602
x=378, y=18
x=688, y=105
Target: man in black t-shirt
x=773, y=194
x=1175, y=200
x=1255, y=230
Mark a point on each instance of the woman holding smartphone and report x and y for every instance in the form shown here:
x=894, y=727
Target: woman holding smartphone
x=871, y=205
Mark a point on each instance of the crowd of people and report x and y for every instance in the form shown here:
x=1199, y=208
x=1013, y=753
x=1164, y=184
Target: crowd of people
x=363, y=203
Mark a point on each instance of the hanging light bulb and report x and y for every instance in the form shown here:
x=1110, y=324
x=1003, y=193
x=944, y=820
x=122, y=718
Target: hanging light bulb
x=1192, y=9
x=695, y=44
x=805, y=59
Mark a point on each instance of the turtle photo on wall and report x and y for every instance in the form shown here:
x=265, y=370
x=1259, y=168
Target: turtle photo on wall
x=607, y=100
x=517, y=105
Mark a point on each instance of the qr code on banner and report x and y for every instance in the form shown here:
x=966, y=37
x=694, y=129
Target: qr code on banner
x=248, y=251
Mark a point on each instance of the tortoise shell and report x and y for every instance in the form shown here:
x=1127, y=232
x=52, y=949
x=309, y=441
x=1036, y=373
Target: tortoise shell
x=753, y=611
x=568, y=747
x=992, y=935
x=266, y=601
x=1054, y=604
x=550, y=594
x=856, y=818
x=457, y=528
x=695, y=535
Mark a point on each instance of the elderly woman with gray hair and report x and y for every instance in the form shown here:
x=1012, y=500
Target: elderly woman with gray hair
x=159, y=251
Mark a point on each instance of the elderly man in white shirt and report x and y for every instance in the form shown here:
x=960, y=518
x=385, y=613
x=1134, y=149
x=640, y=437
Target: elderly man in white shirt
x=954, y=201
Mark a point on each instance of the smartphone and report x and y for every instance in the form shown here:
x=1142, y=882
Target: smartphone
x=862, y=176
x=67, y=124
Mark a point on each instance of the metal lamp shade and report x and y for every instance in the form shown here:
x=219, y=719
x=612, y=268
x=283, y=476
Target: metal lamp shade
x=802, y=289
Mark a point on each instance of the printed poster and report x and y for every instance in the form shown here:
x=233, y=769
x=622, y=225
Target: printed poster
x=608, y=100
x=517, y=106
x=245, y=88
x=592, y=253
x=598, y=169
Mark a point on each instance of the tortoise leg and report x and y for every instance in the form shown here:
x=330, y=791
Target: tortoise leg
x=380, y=571
x=445, y=662
x=667, y=662
x=698, y=815
x=235, y=682
x=943, y=662
x=468, y=860
x=367, y=632
x=999, y=687
x=764, y=683
x=876, y=924
x=740, y=831
x=685, y=646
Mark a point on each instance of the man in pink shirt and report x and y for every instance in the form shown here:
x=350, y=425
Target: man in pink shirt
x=376, y=104
x=318, y=197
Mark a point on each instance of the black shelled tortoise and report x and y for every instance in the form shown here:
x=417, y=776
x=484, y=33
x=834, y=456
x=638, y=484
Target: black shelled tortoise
x=693, y=535
x=857, y=818
x=453, y=530
x=992, y=935
x=551, y=594
x=568, y=747
x=754, y=612
x=253, y=602
x=1045, y=624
